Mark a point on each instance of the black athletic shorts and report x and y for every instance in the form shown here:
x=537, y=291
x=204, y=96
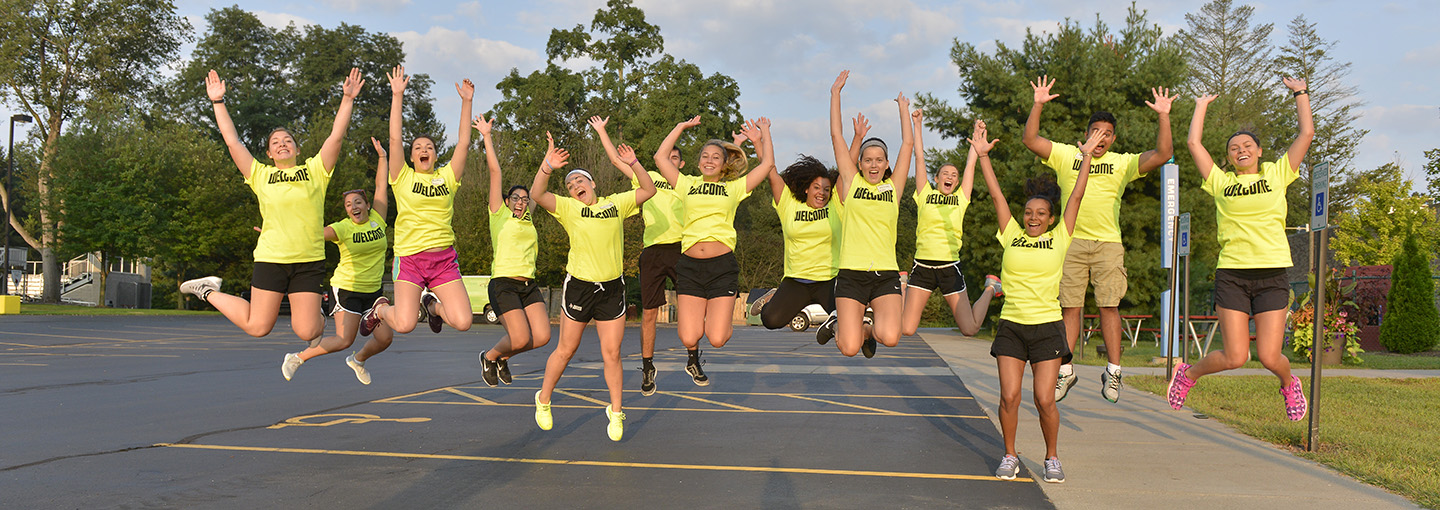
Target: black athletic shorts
x=793, y=296
x=1031, y=342
x=354, y=302
x=710, y=278
x=929, y=275
x=865, y=286
x=1252, y=291
x=657, y=262
x=508, y=294
x=585, y=301
x=289, y=278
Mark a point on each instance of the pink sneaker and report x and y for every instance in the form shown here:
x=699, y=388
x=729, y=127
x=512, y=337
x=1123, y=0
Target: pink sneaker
x=1179, y=386
x=1295, y=405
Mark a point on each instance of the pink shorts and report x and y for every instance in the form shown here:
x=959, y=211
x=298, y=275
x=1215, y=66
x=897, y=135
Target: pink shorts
x=429, y=269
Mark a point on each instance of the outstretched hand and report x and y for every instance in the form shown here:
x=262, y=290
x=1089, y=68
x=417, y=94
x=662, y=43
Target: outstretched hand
x=627, y=154
x=555, y=158
x=598, y=123
x=1163, y=100
x=840, y=82
x=862, y=126
x=1091, y=142
x=483, y=126
x=466, y=89
x=1294, y=84
x=694, y=121
x=1042, y=89
x=978, y=141
x=1205, y=99
x=904, y=101
x=737, y=138
x=352, y=85
x=764, y=123
x=379, y=149
x=214, y=86
x=398, y=80
x=751, y=131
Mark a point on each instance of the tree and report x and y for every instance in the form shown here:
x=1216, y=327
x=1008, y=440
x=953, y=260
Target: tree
x=1381, y=214
x=1432, y=175
x=630, y=40
x=59, y=54
x=1412, y=322
x=1333, y=103
x=1230, y=57
x=1096, y=69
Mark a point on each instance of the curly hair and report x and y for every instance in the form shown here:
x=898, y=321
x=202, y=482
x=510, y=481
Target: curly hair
x=736, y=162
x=1045, y=188
x=804, y=171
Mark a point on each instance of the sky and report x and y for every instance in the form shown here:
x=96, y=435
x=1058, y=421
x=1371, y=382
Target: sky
x=785, y=54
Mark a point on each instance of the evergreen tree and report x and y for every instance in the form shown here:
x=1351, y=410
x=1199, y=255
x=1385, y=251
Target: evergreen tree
x=1412, y=322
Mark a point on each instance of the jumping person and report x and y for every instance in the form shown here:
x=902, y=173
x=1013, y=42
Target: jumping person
x=1250, y=275
x=424, y=239
x=664, y=217
x=1031, y=328
x=594, y=288
x=513, y=291
x=290, y=254
x=1097, y=256
x=362, y=242
x=869, y=274
x=709, y=274
x=938, y=228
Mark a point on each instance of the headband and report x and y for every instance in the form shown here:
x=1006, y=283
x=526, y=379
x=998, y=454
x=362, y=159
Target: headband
x=875, y=142
x=580, y=171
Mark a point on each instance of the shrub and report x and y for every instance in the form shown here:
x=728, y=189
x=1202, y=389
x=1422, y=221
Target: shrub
x=1412, y=322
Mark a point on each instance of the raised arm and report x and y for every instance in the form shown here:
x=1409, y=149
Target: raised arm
x=599, y=124
x=466, y=89
x=647, y=185
x=777, y=183
x=862, y=128
x=215, y=88
x=662, y=155
x=1194, y=140
x=843, y=161
x=398, y=82
x=330, y=150
x=1164, y=142
x=922, y=176
x=1032, y=139
x=1072, y=205
x=760, y=136
x=381, y=203
x=555, y=159
x=492, y=162
x=967, y=179
x=1301, y=145
x=981, y=149
x=907, y=145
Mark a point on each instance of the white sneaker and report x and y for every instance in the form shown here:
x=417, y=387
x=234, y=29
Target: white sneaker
x=1009, y=467
x=199, y=287
x=359, y=368
x=290, y=365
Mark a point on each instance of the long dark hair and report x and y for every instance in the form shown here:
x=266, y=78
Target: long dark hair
x=804, y=171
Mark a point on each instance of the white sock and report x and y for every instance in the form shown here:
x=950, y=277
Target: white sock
x=1112, y=368
x=1066, y=369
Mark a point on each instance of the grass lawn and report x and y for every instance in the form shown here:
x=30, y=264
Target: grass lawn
x=1145, y=352
x=1379, y=431
x=39, y=309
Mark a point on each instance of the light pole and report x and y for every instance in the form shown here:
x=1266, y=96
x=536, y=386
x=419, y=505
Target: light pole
x=9, y=199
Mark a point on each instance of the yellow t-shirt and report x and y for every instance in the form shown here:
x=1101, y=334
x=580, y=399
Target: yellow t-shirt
x=1030, y=269
x=812, y=238
x=597, y=234
x=709, y=209
x=939, y=224
x=513, y=242
x=1250, y=215
x=362, y=253
x=664, y=213
x=292, y=203
x=1099, y=218
x=869, y=218
x=426, y=202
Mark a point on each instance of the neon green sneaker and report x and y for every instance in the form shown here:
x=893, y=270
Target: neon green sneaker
x=617, y=424
x=542, y=414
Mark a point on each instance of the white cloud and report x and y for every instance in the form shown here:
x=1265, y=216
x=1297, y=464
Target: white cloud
x=279, y=20
x=368, y=5
x=443, y=48
x=1427, y=56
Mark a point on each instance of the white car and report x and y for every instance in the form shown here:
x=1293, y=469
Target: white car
x=811, y=315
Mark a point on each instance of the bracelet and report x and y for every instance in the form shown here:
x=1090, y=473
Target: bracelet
x=218, y=101
x=545, y=167
x=1301, y=92
x=635, y=162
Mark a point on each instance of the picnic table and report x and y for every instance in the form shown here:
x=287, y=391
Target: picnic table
x=1131, y=325
x=1208, y=324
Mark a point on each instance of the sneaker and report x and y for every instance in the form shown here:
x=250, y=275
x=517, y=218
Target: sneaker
x=868, y=347
x=759, y=304
x=826, y=331
x=1009, y=467
x=436, y=322
x=647, y=380
x=290, y=365
x=1053, y=473
x=488, y=371
x=359, y=368
x=542, y=413
x=616, y=429
x=1063, y=385
x=504, y=370
x=1180, y=386
x=993, y=282
x=1110, y=385
x=692, y=367
x=1295, y=406
x=200, y=287
x=369, y=320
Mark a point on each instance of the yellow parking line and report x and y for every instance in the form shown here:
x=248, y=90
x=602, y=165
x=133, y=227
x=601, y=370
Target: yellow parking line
x=743, y=393
x=697, y=409
x=596, y=463
x=89, y=355
x=25, y=364
x=469, y=396
x=712, y=402
x=581, y=397
x=881, y=411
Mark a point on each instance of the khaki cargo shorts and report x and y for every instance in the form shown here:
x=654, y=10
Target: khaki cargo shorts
x=1097, y=263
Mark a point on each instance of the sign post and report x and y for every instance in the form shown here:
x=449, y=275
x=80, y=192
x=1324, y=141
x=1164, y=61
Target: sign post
x=1169, y=208
x=1182, y=248
x=1319, y=217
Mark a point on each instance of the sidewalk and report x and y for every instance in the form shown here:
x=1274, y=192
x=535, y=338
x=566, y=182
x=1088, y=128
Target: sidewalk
x=1139, y=453
x=1304, y=373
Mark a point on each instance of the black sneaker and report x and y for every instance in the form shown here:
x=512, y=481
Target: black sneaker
x=369, y=320
x=504, y=370
x=489, y=371
x=436, y=322
x=826, y=331
x=692, y=367
x=647, y=380
x=868, y=348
